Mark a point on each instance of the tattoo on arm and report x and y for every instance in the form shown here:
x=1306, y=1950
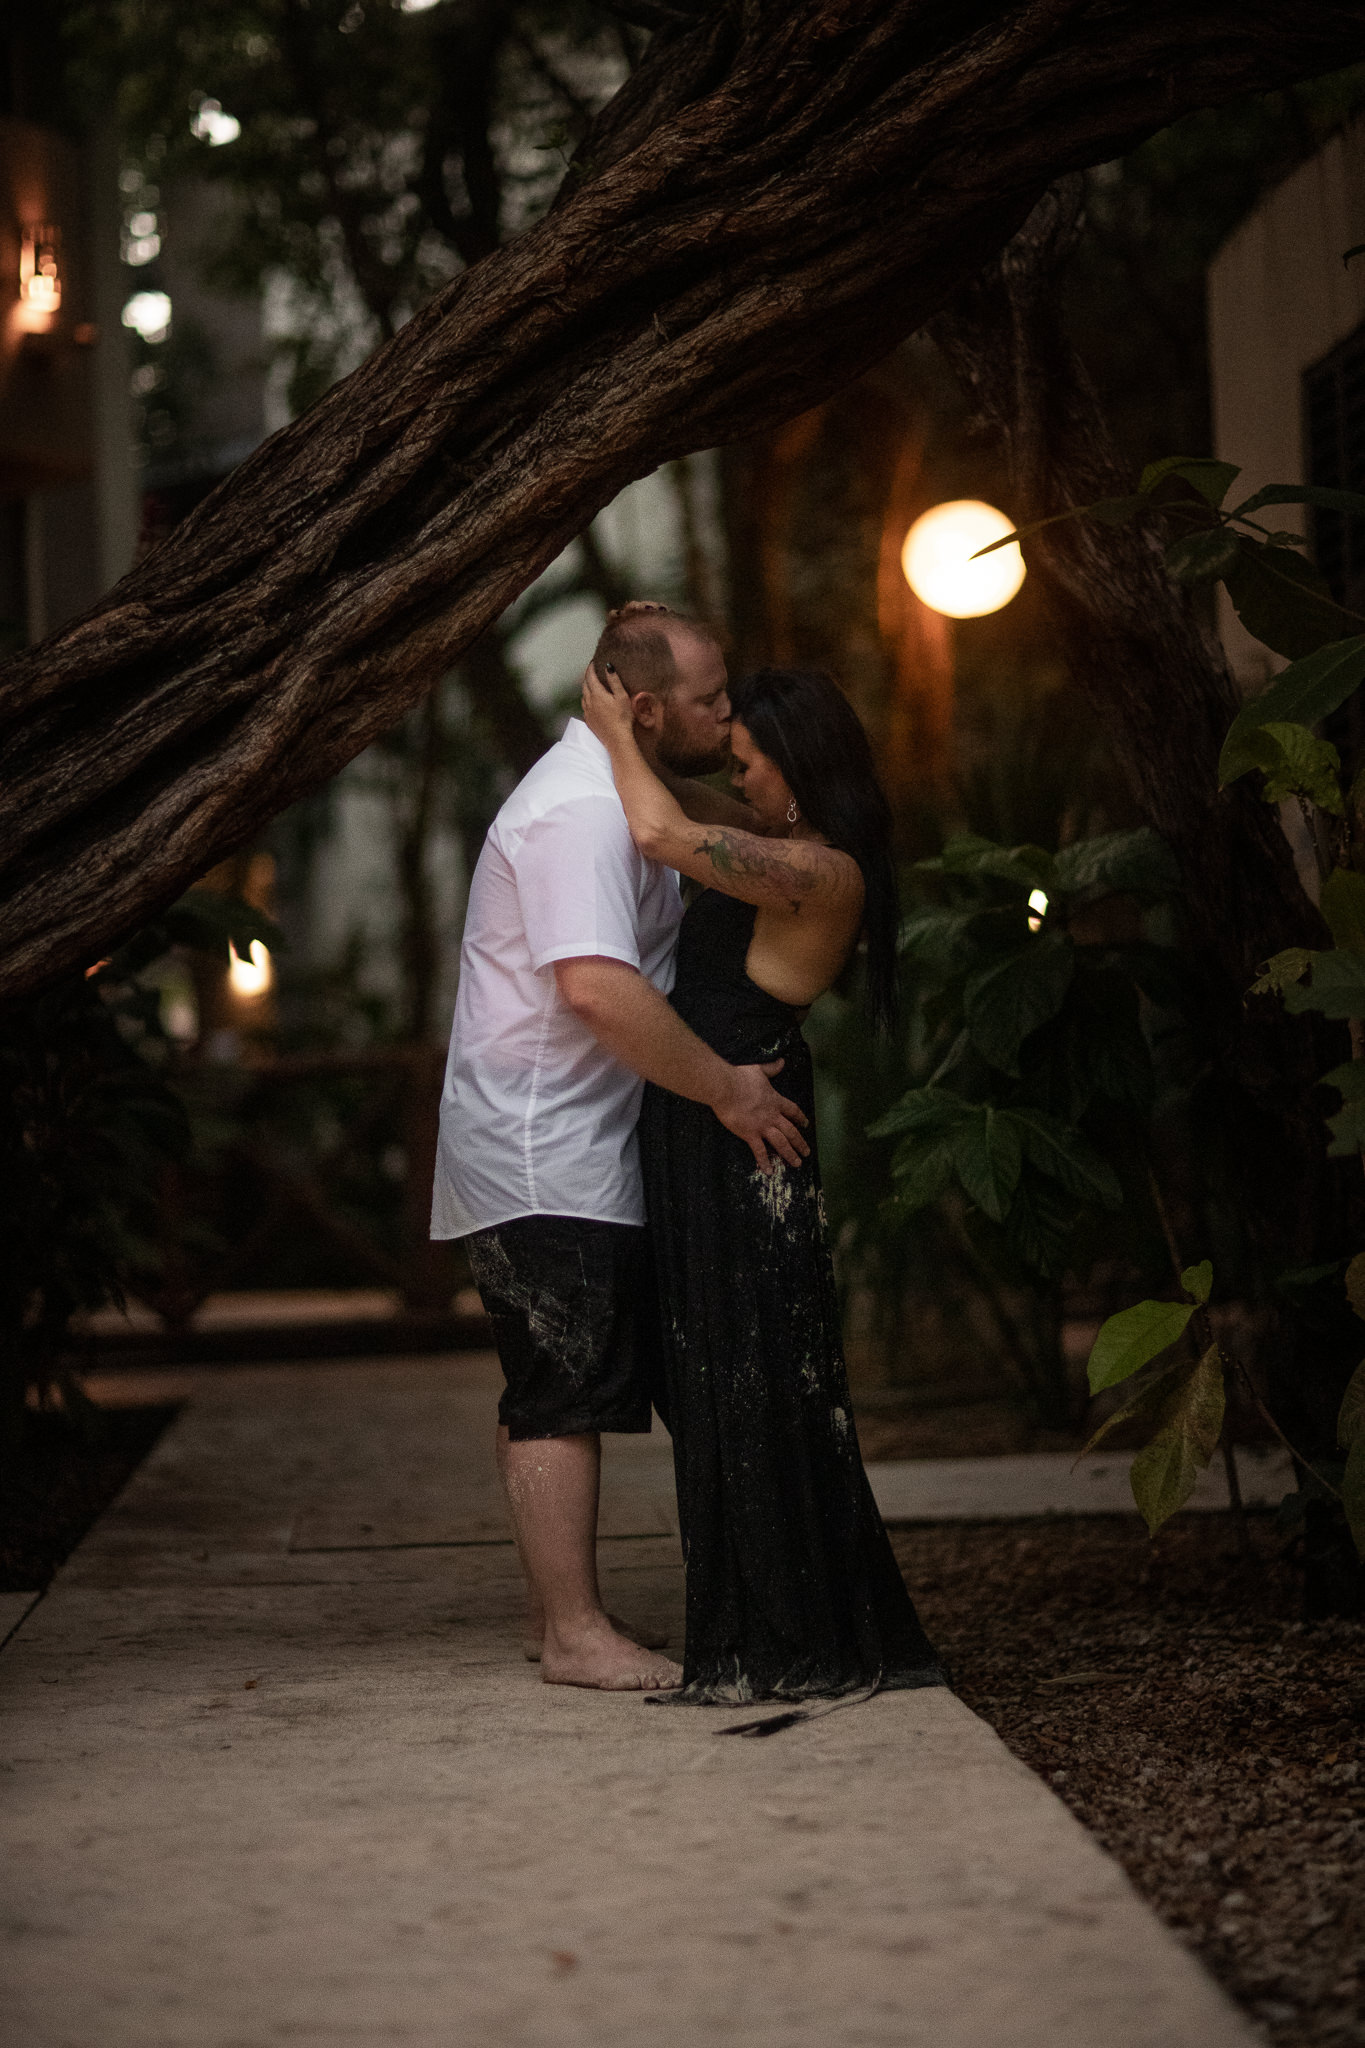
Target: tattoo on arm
x=742, y=856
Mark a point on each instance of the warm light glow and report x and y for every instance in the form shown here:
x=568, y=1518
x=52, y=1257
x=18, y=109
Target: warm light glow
x=938, y=565
x=1037, y=902
x=249, y=977
x=150, y=314
x=40, y=279
x=415, y=6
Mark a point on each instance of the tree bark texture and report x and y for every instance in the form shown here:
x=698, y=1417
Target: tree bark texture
x=781, y=191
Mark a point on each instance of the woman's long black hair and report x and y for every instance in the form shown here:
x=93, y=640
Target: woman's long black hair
x=801, y=719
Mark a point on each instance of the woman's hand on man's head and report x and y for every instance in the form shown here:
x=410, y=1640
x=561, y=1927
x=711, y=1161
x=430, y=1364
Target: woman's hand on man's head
x=607, y=708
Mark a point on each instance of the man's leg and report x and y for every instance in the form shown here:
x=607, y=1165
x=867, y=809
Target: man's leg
x=552, y=1486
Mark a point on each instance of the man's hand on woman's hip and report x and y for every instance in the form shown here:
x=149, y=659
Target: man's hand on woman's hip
x=752, y=1108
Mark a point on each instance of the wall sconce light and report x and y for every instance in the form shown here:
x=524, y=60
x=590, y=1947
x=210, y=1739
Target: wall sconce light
x=40, y=279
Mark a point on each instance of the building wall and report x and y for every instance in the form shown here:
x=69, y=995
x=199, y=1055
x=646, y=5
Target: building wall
x=1279, y=299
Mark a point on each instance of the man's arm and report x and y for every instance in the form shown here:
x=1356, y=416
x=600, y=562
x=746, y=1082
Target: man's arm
x=639, y=1027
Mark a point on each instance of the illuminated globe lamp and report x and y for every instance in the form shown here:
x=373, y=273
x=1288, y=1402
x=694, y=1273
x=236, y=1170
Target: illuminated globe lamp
x=944, y=568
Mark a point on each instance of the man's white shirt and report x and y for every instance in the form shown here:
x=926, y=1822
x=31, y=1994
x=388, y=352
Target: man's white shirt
x=537, y=1117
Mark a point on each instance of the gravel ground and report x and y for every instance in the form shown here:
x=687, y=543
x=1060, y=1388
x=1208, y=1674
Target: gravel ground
x=1212, y=1741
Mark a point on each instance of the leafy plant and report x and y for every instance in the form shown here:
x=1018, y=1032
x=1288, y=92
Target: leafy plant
x=1283, y=601
x=88, y=1126
x=1187, y=1399
x=1047, y=1046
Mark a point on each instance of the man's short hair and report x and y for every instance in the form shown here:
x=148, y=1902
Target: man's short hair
x=637, y=642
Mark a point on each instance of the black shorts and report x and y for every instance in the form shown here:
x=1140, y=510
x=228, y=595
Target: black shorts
x=575, y=1318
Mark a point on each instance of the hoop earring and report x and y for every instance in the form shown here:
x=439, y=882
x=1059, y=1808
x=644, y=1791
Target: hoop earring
x=793, y=815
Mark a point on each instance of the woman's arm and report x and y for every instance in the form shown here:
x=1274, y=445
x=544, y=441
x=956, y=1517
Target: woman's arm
x=704, y=805
x=782, y=873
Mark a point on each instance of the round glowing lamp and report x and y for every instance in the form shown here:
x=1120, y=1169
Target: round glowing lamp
x=938, y=564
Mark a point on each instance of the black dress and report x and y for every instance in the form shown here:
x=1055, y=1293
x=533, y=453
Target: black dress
x=792, y=1588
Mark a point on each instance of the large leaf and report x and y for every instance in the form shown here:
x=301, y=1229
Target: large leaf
x=1098, y=1046
x=1282, y=971
x=1211, y=478
x=1304, y=693
x=930, y=1111
x=1348, y=1131
x=1004, y=1003
x=988, y=1155
x=1133, y=1338
x=1296, y=762
x=1164, y=1472
x=1041, y=1226
x=1136, y=863
x=1283, y=601
x=923, y=1170
x=1348, y=1136
x=1065, y=1156
x=1343, y=905
x=1351, y=1418
x=1028, y=867
x=1353, y=1492
x=1202, y=557
x=1321, y=495
x=1337, y=987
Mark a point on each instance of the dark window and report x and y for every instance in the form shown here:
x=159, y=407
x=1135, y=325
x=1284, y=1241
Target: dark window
x=1334, y=451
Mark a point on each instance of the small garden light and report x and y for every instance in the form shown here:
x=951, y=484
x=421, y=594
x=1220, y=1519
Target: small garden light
x=1037, y=907
x=40, y=279
x=250, y=976
x=938, y=559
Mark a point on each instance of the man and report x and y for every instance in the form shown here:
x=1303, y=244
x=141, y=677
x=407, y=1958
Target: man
x=561, y=1015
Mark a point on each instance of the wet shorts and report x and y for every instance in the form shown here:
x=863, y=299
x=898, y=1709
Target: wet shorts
x=576, y=1321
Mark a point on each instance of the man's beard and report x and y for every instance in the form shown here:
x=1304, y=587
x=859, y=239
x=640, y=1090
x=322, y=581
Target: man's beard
x=684, y=756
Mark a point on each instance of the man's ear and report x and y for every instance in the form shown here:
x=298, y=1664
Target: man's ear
x=648, y=709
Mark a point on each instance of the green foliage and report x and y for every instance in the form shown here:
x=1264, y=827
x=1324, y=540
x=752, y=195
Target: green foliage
x=88, y=1125
x=1044, y=1035
x=1198, y=1281
x=1296, y=762
x=1304, y=693
x=1342, y=902
x=1133, y=1338
x=1184, y=1401
x=1282, y=971
x=1336, y=987
x=1190, y=1422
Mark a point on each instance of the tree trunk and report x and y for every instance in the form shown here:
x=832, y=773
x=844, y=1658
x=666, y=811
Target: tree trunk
x=781, y=191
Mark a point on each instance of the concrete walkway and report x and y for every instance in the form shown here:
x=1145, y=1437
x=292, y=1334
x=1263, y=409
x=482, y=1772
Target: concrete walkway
x=276, y=1773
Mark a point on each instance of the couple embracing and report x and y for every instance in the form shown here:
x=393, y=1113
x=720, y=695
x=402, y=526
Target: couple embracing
x=641, y=1203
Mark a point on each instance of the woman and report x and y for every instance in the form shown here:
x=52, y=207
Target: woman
x=792, y=1588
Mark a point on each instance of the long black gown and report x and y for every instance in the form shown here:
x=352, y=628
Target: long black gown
x=792, y=1588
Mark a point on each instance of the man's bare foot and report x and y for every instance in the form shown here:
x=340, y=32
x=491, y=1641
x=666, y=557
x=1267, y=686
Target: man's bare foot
x=600, y=1658
x=647, y=1638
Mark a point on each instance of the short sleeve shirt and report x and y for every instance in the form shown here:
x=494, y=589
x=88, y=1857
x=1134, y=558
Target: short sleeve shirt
x=537, y=1117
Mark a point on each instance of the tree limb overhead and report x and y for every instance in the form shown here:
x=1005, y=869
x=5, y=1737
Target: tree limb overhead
x=781, y=191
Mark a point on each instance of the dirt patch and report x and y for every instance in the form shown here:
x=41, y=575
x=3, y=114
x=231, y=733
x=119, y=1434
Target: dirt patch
x=1212, y=1741
x=65, y=1476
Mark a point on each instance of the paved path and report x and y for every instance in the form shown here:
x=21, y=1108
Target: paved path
x=276, y=1773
